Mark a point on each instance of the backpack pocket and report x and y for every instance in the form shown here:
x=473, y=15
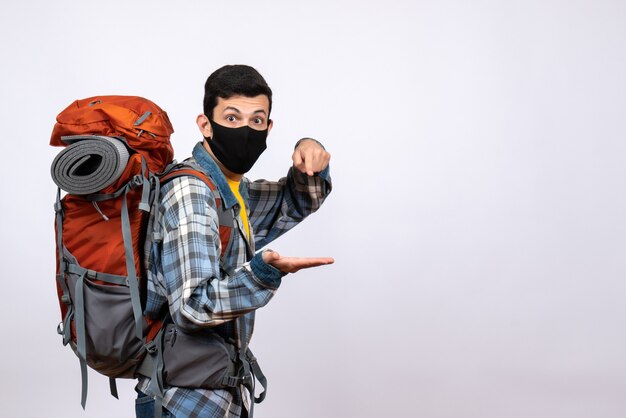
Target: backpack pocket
x=112, y=347
x=197, y=360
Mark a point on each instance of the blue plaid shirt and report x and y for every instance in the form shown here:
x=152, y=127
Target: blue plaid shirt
x=183, y=262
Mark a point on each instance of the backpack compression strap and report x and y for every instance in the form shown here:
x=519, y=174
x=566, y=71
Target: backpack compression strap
x=142, y=181
x=77, y=311
x=63, y=329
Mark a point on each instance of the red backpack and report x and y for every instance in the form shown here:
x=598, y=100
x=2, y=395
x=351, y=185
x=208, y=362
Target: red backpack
x=117, y=149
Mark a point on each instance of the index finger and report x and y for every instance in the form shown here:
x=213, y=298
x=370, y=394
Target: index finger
x=308, y=164
x=297, y=158
x=307, y=262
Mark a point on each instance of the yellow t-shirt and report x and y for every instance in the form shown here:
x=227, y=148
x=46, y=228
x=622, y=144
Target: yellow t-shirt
x=234, y=186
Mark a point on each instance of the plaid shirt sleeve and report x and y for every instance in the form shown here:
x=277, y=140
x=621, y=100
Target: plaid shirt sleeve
x=197, y=294
x=276, y=207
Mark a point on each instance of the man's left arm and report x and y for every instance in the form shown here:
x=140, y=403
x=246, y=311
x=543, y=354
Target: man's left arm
x=276, y=207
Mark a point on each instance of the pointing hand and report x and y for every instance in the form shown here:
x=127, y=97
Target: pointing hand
x=310, y=157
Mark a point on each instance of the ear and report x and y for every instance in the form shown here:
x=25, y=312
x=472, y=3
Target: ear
x=204, y=125
x=269, y=126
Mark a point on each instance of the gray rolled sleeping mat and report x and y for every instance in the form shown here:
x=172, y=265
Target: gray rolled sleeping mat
x=89, y=164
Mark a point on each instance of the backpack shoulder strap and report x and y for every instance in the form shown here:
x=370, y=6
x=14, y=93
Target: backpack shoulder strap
x=226, y=217
x=183, y=170
x=152, y=365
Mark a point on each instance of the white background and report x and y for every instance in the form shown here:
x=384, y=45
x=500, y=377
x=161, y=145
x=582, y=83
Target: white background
x=478, y=216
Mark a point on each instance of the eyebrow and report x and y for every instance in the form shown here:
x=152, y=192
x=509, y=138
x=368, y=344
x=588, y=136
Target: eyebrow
x=234, y=109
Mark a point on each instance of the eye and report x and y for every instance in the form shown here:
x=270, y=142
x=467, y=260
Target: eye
x=258, y=121
x=231, y=118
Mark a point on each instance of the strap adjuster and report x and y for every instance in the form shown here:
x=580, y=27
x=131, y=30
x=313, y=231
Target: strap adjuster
x=234, y=381
x=136, y=181
x=151, y=347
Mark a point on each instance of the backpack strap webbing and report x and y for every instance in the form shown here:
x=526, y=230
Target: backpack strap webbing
x=131, y=279
x=177, y=171
x=155, y=356
x=113, y=387
x=249, y=371
x=258, y=374
x=64, y=328
x=76, y=309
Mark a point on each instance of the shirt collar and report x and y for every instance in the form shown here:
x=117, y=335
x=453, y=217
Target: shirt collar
x=204, y=159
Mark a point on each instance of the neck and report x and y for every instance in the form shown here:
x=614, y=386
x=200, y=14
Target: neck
x=227, y=173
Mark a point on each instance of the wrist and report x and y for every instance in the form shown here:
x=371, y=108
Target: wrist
x=269, y=275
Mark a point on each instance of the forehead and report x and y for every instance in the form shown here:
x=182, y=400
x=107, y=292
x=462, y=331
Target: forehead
x=244, y=104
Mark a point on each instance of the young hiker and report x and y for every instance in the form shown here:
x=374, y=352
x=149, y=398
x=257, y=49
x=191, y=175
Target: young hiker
x=210, y=292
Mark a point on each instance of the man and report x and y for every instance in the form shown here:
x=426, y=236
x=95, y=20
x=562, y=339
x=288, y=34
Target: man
x=203, y=293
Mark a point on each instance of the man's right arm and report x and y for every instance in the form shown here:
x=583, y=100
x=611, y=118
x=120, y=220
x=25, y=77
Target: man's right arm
x=197, y=293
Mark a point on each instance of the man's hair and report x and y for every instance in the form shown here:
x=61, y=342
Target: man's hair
x=234, y=80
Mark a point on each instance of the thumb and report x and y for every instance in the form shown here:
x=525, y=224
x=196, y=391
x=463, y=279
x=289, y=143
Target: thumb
x=270, y=255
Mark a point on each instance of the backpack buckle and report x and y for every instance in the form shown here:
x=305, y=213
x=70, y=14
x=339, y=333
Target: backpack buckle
x=151, y=347
x=246, y=380
x=136, y=181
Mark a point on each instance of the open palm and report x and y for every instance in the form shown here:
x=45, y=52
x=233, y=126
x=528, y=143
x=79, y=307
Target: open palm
x=294, y=264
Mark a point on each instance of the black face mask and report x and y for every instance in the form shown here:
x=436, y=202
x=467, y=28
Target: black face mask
x=237, y=148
